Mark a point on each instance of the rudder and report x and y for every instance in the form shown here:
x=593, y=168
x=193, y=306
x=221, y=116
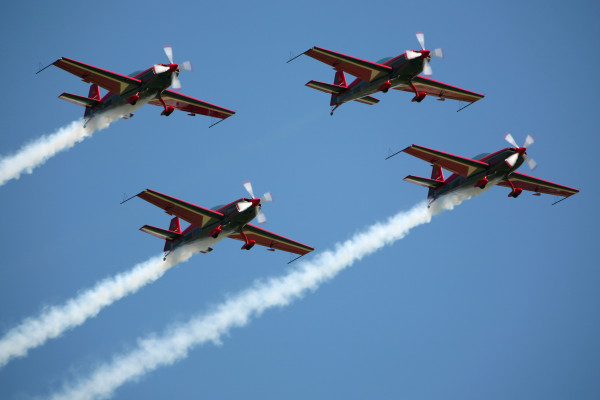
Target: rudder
x=338, y=80
x=175, y=226
x=94, y=94
x=437, y=175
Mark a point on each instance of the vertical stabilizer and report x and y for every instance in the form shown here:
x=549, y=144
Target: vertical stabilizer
x=339, y=80
x=94, y=94
x=438, y=175
x=174, y=227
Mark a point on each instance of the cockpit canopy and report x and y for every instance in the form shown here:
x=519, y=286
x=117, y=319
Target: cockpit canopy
x=384, y=60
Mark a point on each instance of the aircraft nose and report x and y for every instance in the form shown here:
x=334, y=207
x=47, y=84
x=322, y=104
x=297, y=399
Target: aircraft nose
x=173, y=67
x=425, y=53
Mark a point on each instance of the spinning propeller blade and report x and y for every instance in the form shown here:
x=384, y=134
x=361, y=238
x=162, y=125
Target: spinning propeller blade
x=185, y=66
x=512, y=159
x=421, y=39
x=427, y=68
x=248, y=187
x=169, y=53
x=508, y=137
x=175, y=82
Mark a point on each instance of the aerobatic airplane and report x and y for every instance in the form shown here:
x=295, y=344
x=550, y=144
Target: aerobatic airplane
x=496, y=168
x=210, y=226
x=150, y=85
x=400, y=73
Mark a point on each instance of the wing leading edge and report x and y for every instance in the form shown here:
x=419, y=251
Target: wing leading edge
x=272, y=240
x=111, y=81
x=441, y=90
x=196, y=215
x=362, y=69
x=533, y=184
x=459, y=165
x=192, y=105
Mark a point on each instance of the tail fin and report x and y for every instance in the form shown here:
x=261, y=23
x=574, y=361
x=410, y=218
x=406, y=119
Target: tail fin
x=94, y=94
x=437, y=175
x=175, y=226
x=339, y=80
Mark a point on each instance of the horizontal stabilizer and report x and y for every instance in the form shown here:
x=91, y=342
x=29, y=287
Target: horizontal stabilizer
x=79, y=100
x=326, y=87
x=368, y=100
x=160, y=233
x=426, y=182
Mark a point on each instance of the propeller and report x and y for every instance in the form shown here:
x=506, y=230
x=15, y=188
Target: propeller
x=511, y=160
x=267, y=197
x=184, y=66
x=424, y=54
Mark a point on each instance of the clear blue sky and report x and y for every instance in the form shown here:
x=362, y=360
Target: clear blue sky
x=496, y=299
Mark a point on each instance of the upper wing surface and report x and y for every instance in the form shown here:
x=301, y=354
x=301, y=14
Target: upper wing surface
x=199, y=216
x=272, y=240
x=111, y=81
x=459, y=165
x=537, y=185
x=362, y=69
x=192, y=105
x=441, y=90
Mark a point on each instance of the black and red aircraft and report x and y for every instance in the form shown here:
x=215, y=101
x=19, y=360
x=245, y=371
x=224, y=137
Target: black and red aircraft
x=496, y=168
x=210, y=226
x=400, y=73
x=150, y=85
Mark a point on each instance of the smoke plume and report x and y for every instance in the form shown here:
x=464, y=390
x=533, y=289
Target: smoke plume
x=54, y=321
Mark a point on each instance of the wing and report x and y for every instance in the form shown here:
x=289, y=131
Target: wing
x=441, y=90
x=196, y=215
x=362, y=69
x=111, y=81
x=192, y=105
x=533, y=184
x=459, y=165
x=272, y=240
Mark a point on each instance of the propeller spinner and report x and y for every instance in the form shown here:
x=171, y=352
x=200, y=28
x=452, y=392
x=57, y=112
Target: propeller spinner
x=520, y=151
x=267, y=197
x=424, y=54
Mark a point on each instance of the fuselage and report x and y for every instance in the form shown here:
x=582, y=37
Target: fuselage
x=152, y=85
x=403, y=71
x=498, y=170
x=237, y=215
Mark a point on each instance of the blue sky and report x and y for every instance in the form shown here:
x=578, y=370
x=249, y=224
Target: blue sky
x=497, y=298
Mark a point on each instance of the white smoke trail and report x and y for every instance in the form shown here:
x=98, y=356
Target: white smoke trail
x=52, y=322
x=153, y=352
x=36, y=153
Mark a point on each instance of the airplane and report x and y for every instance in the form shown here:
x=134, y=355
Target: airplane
x=482, y=170
x=400, y=73
x=210, y=226
x=149, y=85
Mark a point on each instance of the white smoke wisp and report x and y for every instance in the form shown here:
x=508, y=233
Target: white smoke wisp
x=154, y=351
x=37, y=152
x=55, y=320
